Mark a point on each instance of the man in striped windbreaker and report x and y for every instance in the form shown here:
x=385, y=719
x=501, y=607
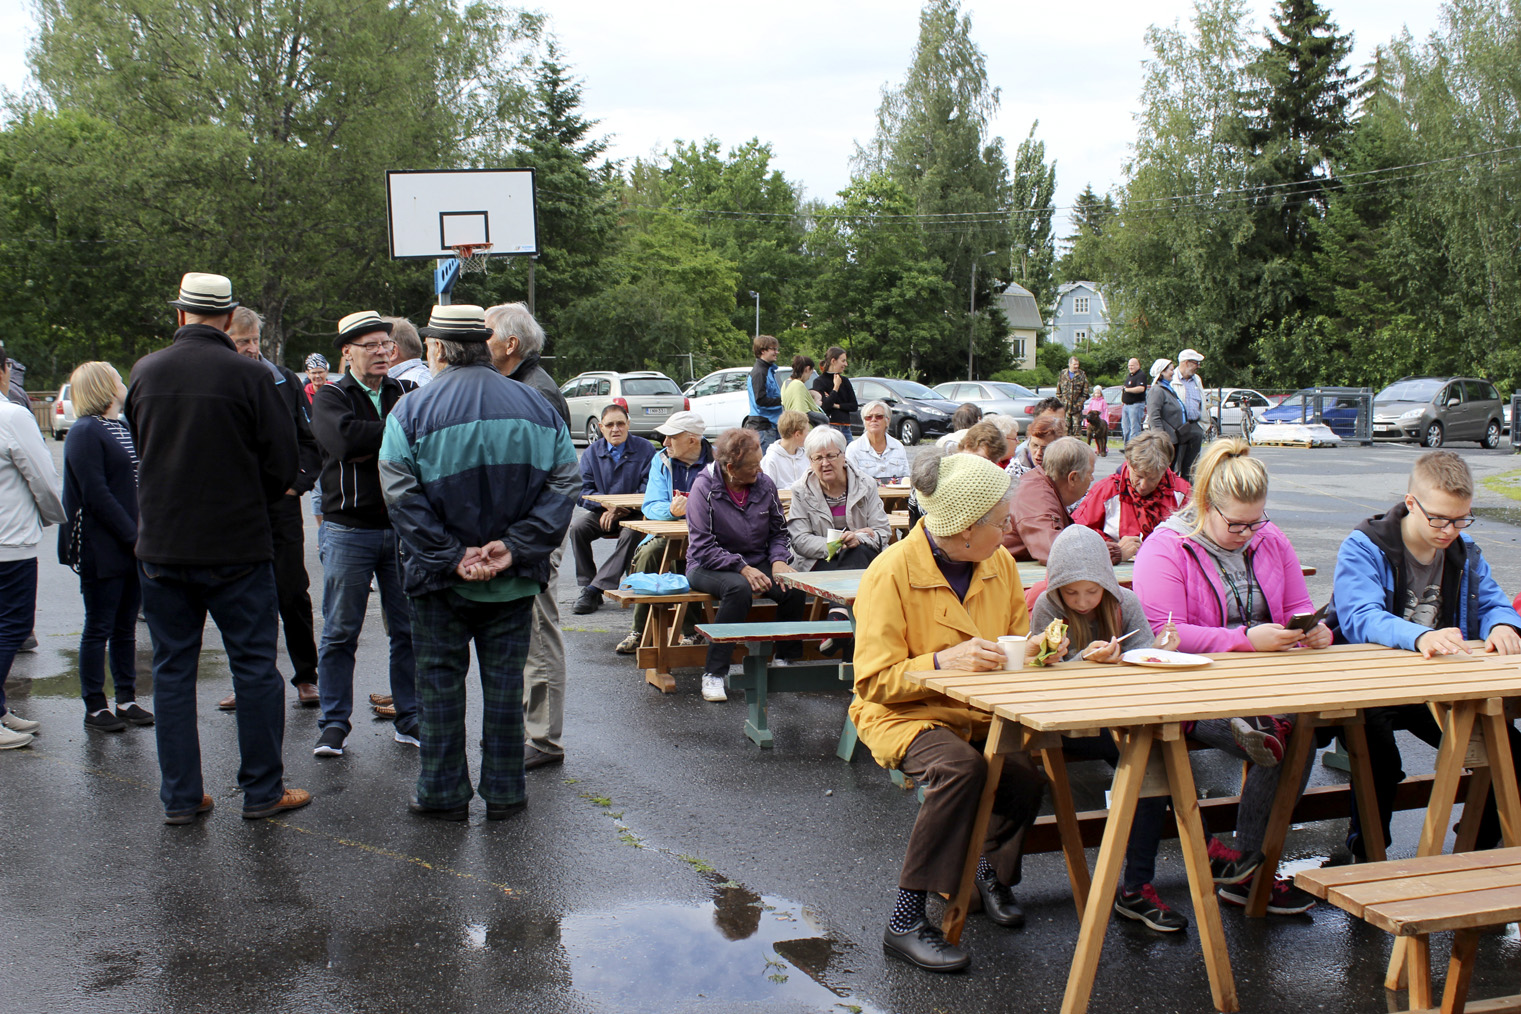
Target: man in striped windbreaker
x=480, y=478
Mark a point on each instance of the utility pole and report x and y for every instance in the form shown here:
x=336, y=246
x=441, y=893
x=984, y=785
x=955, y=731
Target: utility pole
x=756, y=296
x=971, y=316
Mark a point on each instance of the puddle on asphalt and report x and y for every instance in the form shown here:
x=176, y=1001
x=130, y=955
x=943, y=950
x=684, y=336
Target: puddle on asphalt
x=743, y=948
x=1509, y=515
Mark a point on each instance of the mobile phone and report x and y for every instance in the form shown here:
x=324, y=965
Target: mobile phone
x=1306, y=621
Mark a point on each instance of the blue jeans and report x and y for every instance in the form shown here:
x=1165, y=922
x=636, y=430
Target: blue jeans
x=1131, y=419
x=110, y=605
x=241, y=598
x=349, y=557
x=18, y=612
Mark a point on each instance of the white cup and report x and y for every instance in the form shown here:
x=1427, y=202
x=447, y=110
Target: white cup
x=1013, y=646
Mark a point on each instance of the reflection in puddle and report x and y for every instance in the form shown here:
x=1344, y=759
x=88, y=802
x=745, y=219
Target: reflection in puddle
x=743, y=949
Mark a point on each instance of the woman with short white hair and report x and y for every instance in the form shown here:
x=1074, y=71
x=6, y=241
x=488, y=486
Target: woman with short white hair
x=875, y=454
x=834, y=496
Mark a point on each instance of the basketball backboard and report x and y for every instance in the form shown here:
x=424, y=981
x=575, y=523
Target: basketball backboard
x=430, y=212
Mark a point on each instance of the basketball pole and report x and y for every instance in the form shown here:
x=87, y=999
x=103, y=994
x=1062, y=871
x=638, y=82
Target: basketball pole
x=531, y=311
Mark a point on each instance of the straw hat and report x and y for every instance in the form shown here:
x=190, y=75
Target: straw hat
x=206, y=295
x=458, y=322
x=356, y=325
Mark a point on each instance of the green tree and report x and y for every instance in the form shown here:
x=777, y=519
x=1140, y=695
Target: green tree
x=1085, y=257
x=1033, y=194
x=251, y=137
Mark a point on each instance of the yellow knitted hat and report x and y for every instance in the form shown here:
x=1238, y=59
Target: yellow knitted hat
x=969, y=487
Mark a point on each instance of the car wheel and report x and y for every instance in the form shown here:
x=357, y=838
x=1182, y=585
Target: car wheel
x=908, y=431
x=593, y=431
x=1432, y=437
x=1492, y=435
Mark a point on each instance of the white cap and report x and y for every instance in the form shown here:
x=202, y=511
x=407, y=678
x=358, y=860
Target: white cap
x=1188, y=354
x=682, y=422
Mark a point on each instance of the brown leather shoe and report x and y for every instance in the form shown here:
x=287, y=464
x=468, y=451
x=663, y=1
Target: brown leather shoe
x=207, y=804
x=381, y=699
x=384, y=710
x=229, y=703
x=307, y=696
x=293, y=799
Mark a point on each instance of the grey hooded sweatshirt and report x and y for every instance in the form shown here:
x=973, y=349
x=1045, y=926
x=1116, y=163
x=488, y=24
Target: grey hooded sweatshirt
x=1081, y=554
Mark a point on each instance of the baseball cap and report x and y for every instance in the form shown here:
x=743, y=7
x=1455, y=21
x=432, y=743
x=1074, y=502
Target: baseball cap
x=682, y=422
x=1188, y=354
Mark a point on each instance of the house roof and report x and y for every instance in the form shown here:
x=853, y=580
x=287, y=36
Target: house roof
x=1018, y=305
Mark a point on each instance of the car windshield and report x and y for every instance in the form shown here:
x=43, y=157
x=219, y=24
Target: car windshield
x=1013, y=390
x=636, y=386
x=1293, y=401
x=1410, y=390
x=913, y=389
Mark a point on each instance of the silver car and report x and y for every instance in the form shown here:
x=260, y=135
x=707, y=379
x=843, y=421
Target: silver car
x=649, y=397
x=1435, y=410
x=994, y=397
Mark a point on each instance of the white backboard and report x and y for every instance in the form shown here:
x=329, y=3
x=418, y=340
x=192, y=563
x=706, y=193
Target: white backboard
x=430, y=211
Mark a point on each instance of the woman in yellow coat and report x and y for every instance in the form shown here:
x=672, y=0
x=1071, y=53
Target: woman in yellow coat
x=939, y=599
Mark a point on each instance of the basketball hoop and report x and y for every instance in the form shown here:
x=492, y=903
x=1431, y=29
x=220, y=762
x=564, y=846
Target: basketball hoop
x=472, y=256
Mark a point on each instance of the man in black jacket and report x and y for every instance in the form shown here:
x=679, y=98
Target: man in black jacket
x=291, y=580
x=515, y=344
x=358, y=542
x=216, y=447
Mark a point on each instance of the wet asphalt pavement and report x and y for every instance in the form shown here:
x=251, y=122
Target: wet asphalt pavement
x=668, y=865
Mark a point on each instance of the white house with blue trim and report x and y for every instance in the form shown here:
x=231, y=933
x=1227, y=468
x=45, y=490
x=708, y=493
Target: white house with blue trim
x=1081, y=317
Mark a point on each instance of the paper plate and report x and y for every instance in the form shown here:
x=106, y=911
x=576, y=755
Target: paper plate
x=1155, y=658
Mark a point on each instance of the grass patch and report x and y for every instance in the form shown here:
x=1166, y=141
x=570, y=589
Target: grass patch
x=1507, y=484
x=628, y=838
x=701, y=866
x=602, y=801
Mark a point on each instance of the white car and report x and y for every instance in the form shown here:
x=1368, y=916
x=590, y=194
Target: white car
x=62, y=416
x=721, y=399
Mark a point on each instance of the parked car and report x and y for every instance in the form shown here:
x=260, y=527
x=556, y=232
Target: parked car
x=649, y=397
x=916, y=410
x=62, y=416
x=993, y=397
x=1339, y=412
x=721, y=399
x=1435, y=410
x=1116, y=409
x=1227, y=404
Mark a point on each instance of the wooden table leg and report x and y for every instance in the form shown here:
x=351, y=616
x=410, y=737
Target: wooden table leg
x=1457, y=729
x=1473, y=810
x=956, y=911
x=657, y=630
x=1066, y=822
x=1502, y=769
x=1295, y=754
x=1201, y=883
x=1134, y=753
x=1459, y=971
x=1419, y=949
x=1356, y=736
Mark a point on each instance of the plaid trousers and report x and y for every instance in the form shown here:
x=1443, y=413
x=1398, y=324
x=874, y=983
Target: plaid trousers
x=443, y=625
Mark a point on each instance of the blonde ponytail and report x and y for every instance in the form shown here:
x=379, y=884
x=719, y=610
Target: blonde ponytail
x=1226, y=471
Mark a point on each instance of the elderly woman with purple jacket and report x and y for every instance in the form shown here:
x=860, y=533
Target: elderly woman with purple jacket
x=737, y=545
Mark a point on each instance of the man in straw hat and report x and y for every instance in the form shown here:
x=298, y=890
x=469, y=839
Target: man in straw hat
x=481, y=478
x=357, y=541
x=216, y=448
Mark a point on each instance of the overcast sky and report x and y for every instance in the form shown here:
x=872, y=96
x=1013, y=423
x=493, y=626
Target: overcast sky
x=806, y=75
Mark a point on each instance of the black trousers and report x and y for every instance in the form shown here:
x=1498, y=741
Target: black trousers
x=1388, y=770
x=734, y=597
x=585, y=529
x=953, y=773
x=1190, y=440
x=291, y=584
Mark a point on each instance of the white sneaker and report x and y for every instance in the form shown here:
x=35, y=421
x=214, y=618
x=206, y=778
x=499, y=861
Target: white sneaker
x=713, y=688
x=779, y=663
x=11, y=740
x=16, y=723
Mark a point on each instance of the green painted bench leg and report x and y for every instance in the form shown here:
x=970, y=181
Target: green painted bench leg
x=1337, y=758
x=848, y=740
x=756, y=665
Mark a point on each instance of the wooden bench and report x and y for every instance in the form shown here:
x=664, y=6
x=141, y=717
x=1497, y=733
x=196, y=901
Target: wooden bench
x=1466, y=893
x=660, y=649
x=758, y=677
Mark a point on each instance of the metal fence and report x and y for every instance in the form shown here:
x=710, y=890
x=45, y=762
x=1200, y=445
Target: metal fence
x=1515, y=414
x=1348, y=411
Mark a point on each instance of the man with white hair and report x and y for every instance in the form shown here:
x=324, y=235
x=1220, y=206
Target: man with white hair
x=1190, y=390
x=408, y=362
x=291, y=580
x=515, y=344
x=1039, y=508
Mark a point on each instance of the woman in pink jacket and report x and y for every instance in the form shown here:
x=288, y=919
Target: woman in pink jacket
x=1228, y=580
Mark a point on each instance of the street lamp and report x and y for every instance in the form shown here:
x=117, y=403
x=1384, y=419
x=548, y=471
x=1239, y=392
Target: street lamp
x=756, y=296
x=971, y=316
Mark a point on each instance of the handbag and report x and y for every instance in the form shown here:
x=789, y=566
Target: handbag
x=71, y=540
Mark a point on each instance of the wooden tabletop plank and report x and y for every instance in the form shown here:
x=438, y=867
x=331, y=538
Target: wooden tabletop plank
x=1356, y=897
x=1319, y=881
x=670, y=529
x=737, y=633
x=1449, y=912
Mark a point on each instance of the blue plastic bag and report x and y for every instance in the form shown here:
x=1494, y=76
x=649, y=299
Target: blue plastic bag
x=657, y=584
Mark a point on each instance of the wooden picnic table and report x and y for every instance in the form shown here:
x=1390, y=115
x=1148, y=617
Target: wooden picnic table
x=1033, y=708
x=840, y=586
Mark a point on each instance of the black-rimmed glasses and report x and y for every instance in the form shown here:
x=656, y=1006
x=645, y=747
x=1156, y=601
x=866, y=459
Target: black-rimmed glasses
x=1239, y=527
x=1439, y=522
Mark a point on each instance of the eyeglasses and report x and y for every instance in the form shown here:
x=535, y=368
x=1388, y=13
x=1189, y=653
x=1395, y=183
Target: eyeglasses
x=831, y=456
x=374, y=347
x=1237, y=527
x=869, y=418
x=1006, y=525
x=1438, y=522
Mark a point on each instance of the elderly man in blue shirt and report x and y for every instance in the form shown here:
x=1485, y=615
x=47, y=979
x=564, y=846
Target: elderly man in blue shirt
x=1191, y=390
x=614, y=463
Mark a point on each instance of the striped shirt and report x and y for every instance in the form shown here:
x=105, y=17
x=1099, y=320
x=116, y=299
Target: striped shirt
x=123, y=435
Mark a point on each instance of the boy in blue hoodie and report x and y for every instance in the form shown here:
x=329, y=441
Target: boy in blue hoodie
x=1411, y=579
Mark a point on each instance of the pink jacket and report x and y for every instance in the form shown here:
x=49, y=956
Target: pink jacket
x=1175, y=576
